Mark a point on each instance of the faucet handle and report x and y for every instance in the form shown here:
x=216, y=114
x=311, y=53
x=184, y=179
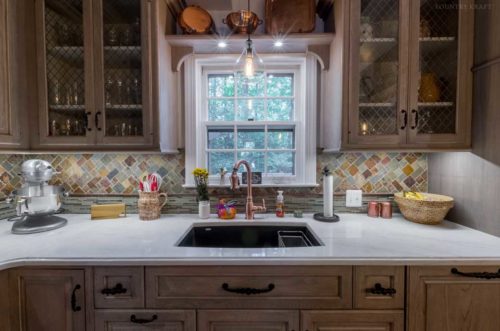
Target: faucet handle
x=260, y=208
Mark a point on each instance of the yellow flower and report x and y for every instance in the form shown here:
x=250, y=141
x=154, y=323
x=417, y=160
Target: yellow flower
x=200, y=172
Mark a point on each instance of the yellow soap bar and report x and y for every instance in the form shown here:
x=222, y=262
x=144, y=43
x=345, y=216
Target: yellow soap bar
x=109, y=211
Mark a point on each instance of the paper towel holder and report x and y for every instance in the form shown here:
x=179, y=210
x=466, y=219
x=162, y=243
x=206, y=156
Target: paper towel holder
x=327, y=191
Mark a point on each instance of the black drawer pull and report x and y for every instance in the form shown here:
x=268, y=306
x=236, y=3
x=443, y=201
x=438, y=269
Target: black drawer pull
x=74, y=306
x=482, y=275
x=379, y=290
x=136, y=320
x=96, y=120
x=248, y=290
x=118, y=289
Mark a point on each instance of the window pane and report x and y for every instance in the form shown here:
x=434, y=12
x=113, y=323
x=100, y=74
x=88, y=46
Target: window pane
x=220, y=138
x=281, y=163
x=221, y=110
x=221, y=85
x=250, y=110
x=217, y=160
x=250, y=86
x=251, y=138
x=280, y=85
x=256, y=160
x=280, y=109
x=281, y=138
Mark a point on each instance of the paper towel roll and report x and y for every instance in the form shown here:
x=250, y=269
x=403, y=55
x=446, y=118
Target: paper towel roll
x=328, y=196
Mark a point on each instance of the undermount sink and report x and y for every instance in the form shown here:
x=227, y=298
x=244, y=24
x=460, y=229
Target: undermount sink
x=249, y=236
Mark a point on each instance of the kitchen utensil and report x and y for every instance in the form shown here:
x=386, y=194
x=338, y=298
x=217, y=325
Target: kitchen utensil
x=195, y=20
x=290, y=16
x=107, y=211
x=242, y=21
x=431, y=210
x=37, y=171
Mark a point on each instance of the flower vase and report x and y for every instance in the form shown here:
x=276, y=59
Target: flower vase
x=204, y=209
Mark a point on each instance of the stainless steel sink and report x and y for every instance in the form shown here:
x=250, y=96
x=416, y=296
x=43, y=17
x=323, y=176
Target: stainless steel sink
x=245, y=235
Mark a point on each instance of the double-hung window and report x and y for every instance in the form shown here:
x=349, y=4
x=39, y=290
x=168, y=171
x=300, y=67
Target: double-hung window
x=261, y=119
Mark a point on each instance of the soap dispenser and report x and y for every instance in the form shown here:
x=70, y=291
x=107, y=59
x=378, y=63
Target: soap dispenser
x=280, y=205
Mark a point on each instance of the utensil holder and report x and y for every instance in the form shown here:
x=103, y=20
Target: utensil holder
x=150, y=206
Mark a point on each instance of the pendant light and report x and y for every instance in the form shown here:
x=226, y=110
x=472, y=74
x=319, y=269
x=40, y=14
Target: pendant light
x=249, y=54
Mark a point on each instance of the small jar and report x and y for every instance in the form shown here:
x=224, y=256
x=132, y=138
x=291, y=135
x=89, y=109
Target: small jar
x=204, y=209
x=373, y=209
x=386, y=210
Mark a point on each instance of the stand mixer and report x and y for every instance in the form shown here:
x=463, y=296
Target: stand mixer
x=37, y=201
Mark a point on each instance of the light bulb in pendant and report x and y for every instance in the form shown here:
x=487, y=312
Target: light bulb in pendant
x=249, y=65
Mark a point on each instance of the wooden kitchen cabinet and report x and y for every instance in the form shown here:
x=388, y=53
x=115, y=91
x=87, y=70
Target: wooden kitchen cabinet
x=248, y=320
x=352, y=320
x=162, y=320
x=94, y=74
x=45, y=299
x=454, y=298
x=14, y=98
x=409, y=81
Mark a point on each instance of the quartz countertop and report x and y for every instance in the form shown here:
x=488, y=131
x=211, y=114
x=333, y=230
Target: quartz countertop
x=355, y=240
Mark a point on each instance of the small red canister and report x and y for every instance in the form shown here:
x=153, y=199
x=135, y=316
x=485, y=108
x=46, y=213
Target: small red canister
x=373, y=209
x=386, y=210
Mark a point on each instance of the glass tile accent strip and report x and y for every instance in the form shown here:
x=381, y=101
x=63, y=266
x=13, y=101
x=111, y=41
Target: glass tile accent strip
x=65, y=68
x=122, y=67
x=379, y=62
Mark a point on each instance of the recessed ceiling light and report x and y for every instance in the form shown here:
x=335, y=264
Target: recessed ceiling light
x=222, y=44
x=278, y=43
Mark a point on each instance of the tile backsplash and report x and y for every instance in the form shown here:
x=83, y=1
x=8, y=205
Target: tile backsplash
x=103, y=177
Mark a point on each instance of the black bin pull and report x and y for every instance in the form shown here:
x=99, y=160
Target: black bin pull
x=136, y=320
x=481, y=275
x=248, y=290
x=118, y=289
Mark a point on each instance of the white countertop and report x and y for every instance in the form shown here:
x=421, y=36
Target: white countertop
x=355, y=240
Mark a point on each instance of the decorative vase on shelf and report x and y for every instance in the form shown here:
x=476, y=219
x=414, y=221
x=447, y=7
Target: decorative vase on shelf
x=429, y=88
x=204, y=209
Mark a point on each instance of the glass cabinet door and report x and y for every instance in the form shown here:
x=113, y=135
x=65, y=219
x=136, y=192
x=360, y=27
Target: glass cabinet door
x=437, y=75
x=123, y=90
x=65, y=112
x=376, y=117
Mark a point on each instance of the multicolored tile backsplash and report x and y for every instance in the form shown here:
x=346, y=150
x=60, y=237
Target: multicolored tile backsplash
x=114, y=177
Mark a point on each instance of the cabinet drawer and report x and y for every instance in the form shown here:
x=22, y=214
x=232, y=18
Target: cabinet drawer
x=365, y=320
x=170, y=320
x=249, y=287
x=119, y=287
x=379, y=287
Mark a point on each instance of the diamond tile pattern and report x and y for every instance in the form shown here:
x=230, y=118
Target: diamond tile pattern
x=438, y=58
x=104, y=178
x=65, y=67
x=378, y=67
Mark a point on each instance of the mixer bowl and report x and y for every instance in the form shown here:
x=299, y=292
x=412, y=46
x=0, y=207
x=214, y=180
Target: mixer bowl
x=36, y=200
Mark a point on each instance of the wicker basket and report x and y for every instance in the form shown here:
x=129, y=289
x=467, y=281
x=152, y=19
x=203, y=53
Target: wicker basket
x=150, y=206
x=432, y=210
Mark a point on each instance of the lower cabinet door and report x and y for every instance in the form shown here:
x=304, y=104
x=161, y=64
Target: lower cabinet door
x=47, y=300
x=366, y=320
x=248, y=320
x=137, y=320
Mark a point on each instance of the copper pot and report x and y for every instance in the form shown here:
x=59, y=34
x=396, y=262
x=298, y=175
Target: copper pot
x=242, y=21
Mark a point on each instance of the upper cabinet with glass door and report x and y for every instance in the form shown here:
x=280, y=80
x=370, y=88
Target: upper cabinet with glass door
x=440, y=77
x=409, y=74
x=94, y=74
x=376, y=74
x=64, y=68
x=123, y=72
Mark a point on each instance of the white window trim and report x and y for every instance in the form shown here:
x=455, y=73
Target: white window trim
x=196, y=67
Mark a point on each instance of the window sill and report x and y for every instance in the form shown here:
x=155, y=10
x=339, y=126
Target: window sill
x=304, y=185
